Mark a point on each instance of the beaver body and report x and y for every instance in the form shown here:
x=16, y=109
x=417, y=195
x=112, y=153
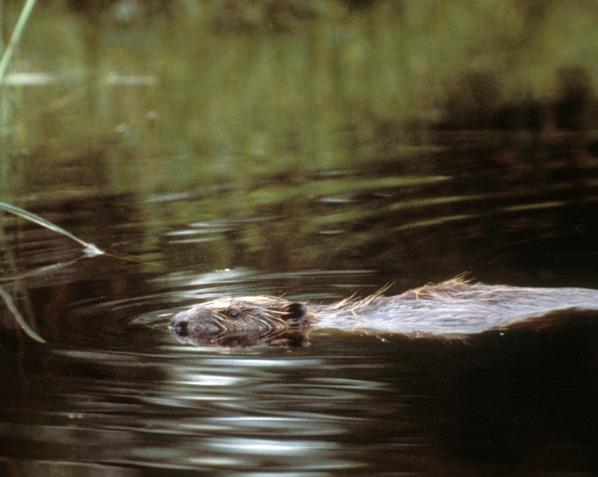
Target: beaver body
x=452, y=309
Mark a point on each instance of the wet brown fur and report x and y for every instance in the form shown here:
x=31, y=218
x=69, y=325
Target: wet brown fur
x=447, y=310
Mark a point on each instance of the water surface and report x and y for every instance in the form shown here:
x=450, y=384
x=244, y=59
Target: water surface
x=280, y=164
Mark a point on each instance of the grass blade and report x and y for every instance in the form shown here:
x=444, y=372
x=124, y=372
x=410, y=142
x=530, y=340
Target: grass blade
x=15, y=37
x=88, y=248
x=40, y=271
x=18, y=317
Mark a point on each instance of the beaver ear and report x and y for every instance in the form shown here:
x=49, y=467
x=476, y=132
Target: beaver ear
x=295, y=312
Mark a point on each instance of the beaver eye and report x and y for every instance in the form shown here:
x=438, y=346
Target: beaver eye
x=233, y=313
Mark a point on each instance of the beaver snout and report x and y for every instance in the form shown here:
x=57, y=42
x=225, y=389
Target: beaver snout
x=194, y=321
x=179, y=324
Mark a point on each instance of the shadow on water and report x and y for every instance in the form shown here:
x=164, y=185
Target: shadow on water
x=311, y=150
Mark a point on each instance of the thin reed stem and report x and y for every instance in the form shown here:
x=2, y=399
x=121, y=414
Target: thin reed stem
x=88, y=248
x=15, y=37
x=18, y=317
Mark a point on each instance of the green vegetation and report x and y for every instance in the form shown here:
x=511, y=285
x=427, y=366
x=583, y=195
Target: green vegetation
x=18, y=317
x=15, y=37
x=88, y=248
x=202, y=92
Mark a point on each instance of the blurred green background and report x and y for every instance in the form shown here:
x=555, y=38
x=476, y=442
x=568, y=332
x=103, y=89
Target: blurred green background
x=307, y=126
x=271, y=86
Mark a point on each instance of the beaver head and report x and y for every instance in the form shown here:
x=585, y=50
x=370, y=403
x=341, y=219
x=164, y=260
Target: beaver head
x=243, y=322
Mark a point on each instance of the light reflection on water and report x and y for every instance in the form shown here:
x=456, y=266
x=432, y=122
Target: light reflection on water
x=347, y=404
x=234, y=412
x=115, y=391
x=333, y=148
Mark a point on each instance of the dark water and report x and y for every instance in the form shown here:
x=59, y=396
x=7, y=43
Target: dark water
x=314, y=154
x=114, y=394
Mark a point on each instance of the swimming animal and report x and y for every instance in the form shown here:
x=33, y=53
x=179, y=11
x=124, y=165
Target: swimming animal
x=455, y=308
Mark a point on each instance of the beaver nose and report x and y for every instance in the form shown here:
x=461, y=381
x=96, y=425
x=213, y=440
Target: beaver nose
x=178, y=325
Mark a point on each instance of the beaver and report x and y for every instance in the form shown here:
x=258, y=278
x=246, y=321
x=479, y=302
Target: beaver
x=455, y=308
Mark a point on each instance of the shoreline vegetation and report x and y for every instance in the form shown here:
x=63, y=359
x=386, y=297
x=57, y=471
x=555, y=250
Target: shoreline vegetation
x=89, y=249
x=246, y=75
x=211, y=93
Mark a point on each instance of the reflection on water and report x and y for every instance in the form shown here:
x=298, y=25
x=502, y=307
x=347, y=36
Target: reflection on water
x=306, y=149
x=350, y=404
x=114, y=391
